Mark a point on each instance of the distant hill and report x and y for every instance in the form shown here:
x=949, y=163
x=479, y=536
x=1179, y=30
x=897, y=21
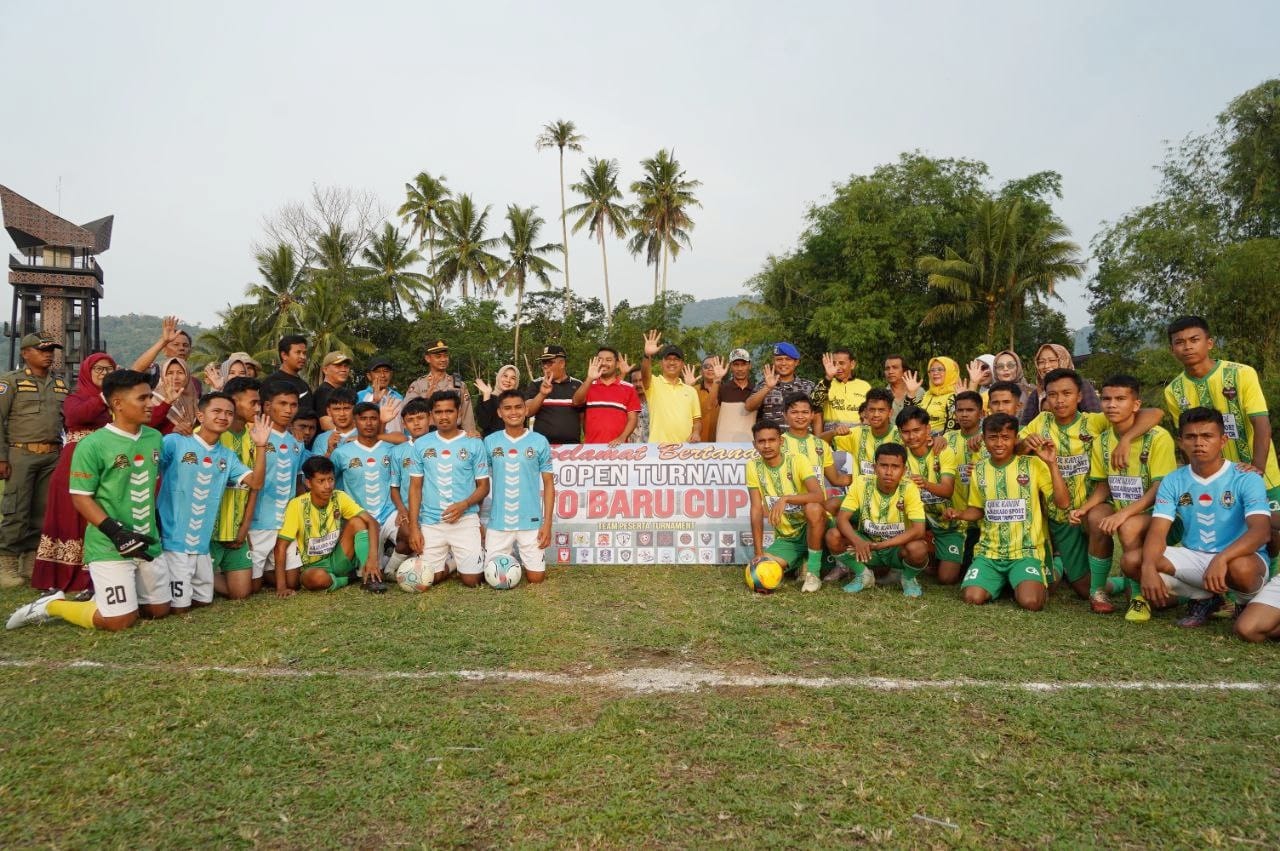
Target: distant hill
x=706, y=311
x=126, y=337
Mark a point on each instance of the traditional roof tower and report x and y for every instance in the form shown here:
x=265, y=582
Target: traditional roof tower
x=56, y=279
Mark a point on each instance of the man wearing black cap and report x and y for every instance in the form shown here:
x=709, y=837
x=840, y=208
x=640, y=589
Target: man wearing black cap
x=675, y=415
x=30, y=440
x=439, y=378
x=550, y=401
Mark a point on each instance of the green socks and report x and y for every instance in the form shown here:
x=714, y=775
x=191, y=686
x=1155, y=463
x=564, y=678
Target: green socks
x=1117, y=585
x=814, y=562
x=852, y=563
x=1099, y=570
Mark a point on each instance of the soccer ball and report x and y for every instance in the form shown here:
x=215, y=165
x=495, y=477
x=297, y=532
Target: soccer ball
x=763, y=574
x=502, y=571
x=414, y=576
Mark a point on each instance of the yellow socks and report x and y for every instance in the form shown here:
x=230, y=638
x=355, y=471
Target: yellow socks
x=80, y=614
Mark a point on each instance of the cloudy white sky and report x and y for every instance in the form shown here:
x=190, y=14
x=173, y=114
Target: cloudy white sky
x=190, y=122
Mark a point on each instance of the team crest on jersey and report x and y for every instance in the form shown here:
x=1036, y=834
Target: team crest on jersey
x=386, y=461
x=1024, y=479
x=271, y=447
x=120, y=463
x=462, y=453
x=1228, y=499
x=902, y=505
x=155, y=456
x=431, y=453
x=937, y=468
x=353, y=464
x=1086, y=438
x=1184, y=499
x=406, y=463
x=222, y=465
x=1144, y=457
x=188, y=457
x=529, y=453
x=497, y=452
x=337, y=513
x=1229, y=393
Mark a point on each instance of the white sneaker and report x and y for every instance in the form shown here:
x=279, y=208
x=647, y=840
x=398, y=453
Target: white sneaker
x=33, y=613
x=811, y=583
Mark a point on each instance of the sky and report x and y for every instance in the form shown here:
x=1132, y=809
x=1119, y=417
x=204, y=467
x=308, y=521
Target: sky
x=193, y=122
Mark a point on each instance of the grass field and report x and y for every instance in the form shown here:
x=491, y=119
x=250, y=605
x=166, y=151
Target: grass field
x=347, y=719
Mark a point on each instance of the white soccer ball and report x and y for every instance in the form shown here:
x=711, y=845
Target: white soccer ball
x=502, y=571
x=414, y=576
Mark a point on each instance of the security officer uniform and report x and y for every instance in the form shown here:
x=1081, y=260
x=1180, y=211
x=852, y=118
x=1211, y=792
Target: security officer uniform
x=30, y=440
x=423, y=387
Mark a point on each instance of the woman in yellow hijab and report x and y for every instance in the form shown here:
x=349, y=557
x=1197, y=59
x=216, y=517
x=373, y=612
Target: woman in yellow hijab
x=940, y=395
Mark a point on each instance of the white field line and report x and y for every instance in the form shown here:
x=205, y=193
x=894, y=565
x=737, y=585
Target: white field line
x=683, y=678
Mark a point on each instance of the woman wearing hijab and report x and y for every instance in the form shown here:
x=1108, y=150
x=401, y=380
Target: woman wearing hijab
x=982, y=373
x=1049, y=357
x=59, y=558
x=1008, y=367
x=940, y=394
x=507, y=378
x=182, y=394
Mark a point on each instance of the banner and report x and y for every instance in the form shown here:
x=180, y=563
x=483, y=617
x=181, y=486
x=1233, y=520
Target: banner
x=670, y=503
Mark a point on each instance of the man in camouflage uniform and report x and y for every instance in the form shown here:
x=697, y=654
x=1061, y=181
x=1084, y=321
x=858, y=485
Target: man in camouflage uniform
x=439, y=378
x=30, y=440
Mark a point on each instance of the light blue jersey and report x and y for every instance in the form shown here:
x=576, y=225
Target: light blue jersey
x=193, y=477
x=366, y=473
x=366, y=395
x=1212, y=510
x=402, y=462
x=516, y=490
x=449, y=470
x=320, y=445
x=284, y=462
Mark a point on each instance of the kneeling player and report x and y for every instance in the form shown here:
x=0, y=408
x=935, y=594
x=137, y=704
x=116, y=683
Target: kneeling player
x=1004, y=494
x=933, y=471
x=1226, y=523
x=787, y=487
x=891, y=519
x=1121, y=499
x=366, y=470
x=449, y=478
x=416, y=416
x=113, y=485
x=330, y=530
x=520, y=464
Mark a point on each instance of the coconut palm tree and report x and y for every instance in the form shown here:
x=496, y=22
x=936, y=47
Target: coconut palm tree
x=425, y=198
x=600, y=212
x=525, y=260
x=664, y=197
x=465, y=252
x=280, y=293
x=562, y=134
x=239, y=329
x=1011, y=254
x=389, y=257
x=330, y=325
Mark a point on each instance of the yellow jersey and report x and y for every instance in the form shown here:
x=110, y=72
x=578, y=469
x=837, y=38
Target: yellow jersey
x=880, y=516
x=1074, y=442
x=1150, y=459
x=787, y=479
x=1013, y=522
x=1234, y=391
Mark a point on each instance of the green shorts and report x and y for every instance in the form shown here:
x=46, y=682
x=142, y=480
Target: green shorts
x=948, y=545
x=227, y=558
x=790, y=551
x=994, y=575
x=1071, y=543
x=339, y=567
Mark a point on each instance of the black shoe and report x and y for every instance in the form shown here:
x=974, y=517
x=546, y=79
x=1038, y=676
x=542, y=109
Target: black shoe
x=375, y=586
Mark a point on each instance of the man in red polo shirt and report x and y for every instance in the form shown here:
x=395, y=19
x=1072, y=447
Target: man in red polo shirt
x=613, y=406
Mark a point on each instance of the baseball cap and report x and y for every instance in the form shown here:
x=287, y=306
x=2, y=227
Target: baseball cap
x=551, y=352
x=786, y=350
x=39, y=341
x=739, y=354
x=377, y=361
x=334, y=357
x=669, y=350
x=440, y=347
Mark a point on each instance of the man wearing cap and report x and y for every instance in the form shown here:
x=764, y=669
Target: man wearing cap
x=734, y=422
x=30, y=440
x=612, y=405
x=675, y=416
x=439, y=378
x=779, y=382
x=839, y=395
x=378, y=373
x=335, y=369
x=550, y=401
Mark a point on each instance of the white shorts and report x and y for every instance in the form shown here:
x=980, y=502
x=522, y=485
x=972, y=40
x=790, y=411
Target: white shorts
x=461, y=539
x=1270, y=593
x=387, y=530
x=262, y=552
x=1189, y=567
x=525, y=541
x=486, y=509
x=190, y=577
x=115, y=586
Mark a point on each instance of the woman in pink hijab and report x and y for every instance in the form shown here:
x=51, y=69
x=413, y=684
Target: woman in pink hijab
x=1049, y=357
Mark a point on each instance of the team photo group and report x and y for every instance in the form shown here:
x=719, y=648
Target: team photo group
x=146, y=490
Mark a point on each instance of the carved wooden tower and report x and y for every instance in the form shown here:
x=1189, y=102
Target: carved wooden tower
x=56, y=279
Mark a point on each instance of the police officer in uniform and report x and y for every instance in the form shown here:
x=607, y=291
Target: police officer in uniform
x=30, y=440
x=439, y=378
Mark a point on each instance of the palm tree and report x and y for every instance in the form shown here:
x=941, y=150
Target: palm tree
x=425, y=199
x=644, y=240
x=1010, y=254
x=330, y=325
x=465, y=255
x=664, y=197
x=524, y=258
x=281, y=291
x=600, y=213
x=389, y=257
x=239, y=329
x=562, y=134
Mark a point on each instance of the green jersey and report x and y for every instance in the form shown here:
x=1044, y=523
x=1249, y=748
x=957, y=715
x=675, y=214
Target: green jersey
x=120, y=471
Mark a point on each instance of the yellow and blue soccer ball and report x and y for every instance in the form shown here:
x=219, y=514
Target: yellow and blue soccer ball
x=502, y=571
x=763, y=574
x=414, y=576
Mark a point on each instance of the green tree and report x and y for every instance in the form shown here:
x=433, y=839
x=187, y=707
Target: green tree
x=281, y=290
x=600, y=212
x=561, y=134
x=239, y=329
x=389, y=258
x=330, y=325
x=425, y=199
x=525, y=259
x=664, y=197
x=466, y=256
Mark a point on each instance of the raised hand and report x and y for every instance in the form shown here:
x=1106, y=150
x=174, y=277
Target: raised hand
x=652, y=343
x=168, y=329
x=911, y=380
x=547, y=384
x=975, y=367
x=690, y=377
x=260, y=431
x=388, y=409
x=594, y=370
x=483, y=386
x=829, y=365
x=770, y=376
x=719, y=369
x=213, y=376
x=1046, y=451
x=624, y=367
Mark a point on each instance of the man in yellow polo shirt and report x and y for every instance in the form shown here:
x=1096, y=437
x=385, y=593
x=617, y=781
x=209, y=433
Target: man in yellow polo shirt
x=839, y=395
x=675, y=414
